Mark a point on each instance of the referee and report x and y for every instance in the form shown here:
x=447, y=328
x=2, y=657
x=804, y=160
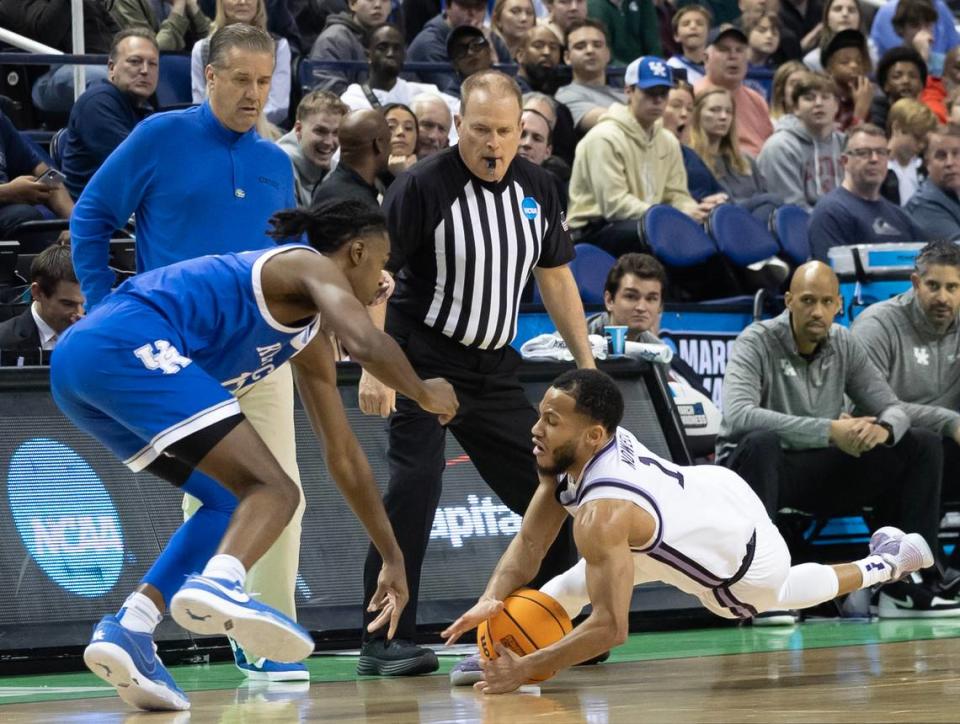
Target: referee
x=467, y=227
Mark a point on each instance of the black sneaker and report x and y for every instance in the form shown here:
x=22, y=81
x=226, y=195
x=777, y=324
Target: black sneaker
x=379, y=657
x=909, y=599
x=949, y=586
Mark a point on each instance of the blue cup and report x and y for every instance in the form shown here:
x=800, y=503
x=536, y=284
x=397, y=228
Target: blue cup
x=616, y=338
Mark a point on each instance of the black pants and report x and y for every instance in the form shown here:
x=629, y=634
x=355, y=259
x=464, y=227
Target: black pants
x=901, y=483
x=12, y=215
x=493, y=427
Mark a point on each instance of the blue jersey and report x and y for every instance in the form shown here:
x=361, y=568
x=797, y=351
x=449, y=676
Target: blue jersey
x=215, y=309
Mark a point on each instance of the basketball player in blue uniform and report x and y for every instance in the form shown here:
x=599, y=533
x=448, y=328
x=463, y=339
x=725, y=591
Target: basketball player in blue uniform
x=153, y=374
x=641, y=518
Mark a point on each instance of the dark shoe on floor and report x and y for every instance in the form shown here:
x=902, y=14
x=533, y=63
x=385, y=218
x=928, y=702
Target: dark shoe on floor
x=909, y=599
x=379, y=657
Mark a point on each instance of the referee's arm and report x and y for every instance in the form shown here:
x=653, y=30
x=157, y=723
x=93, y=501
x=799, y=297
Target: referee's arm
x=562, y=300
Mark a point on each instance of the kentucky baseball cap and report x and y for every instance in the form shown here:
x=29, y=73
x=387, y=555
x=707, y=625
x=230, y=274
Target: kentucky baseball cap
x=648, y=71
x=724, y=31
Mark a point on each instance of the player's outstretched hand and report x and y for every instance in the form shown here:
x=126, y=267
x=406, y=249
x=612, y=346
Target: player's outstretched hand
x=502, y=675
x=440, y=398
x=390, y=598
x=485, y=608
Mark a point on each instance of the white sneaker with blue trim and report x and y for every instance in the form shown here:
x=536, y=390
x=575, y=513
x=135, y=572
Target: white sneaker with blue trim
x=266, y=670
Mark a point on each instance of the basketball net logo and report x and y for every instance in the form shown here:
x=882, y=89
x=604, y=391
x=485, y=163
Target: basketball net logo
x=161, y=355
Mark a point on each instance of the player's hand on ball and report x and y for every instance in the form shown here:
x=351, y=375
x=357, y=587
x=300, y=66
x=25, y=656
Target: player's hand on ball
x=504, y=674
x=485, y=608
x=390, y=598
x=375, y=397
x=440, y=398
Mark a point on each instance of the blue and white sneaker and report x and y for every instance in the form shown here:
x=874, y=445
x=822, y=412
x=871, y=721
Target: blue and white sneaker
x=128, y=661
x=212, y=606
x=266, y=670
x=466, y=672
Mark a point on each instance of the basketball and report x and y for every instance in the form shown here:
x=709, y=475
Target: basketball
x=530, y=620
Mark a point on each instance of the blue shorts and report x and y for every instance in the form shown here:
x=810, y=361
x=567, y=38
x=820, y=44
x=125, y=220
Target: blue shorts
x=119, y=376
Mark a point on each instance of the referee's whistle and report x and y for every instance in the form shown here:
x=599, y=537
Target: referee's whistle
x=491, y=163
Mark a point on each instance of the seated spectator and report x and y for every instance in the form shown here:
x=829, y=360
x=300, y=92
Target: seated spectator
x=538, y=59
x=20, y=192
x=839, y=15
x=588, y=97
x=633, y=27
x=722, y=11
x=940, y=24
x=364, y=156
x=536, y=146
x=763, y=38
x=726, y=67
x=785, y=432
x=785, y=79
x=802, y=18
x=57, y=303
x=901, y=73
x=856, y=213
x=676, y=116
x=106, y=113
x=387, y=54
x=714, y=137
x=178, y=24
x=346, y=36
x=801, y=161
x=252, y=13
x=908, y=123
x=847, y=61
x=627, y=163
x=510, y=21
x=633, y=296
x=469, y=52
x=562, y=130
x=313, y=142
x=434, y=124
x=935, y=207
x=430, y=45
x=403, y=137
x=936, y=93
x=563, y=15
x=48, y=21
x=690, y=26
x=912, y=339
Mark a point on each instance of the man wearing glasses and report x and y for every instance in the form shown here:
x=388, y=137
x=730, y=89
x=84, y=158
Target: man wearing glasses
x=935, y=207
x=855, y=212
x=470, y=52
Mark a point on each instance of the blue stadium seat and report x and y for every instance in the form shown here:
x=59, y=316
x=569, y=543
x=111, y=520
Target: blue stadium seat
x=675, y=239
x=791, y=225
x=589, y=269
x=739, y=236
x=173, y=89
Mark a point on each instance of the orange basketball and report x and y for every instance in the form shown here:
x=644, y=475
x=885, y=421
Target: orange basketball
x=530, y=620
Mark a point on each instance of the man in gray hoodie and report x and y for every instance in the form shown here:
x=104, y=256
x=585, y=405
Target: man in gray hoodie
x=345, y=37
x=801, y=160
x=313, y=142
x=785, y=432
x=914, y=340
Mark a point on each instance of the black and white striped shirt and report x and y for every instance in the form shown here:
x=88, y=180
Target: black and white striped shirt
x=463, y=249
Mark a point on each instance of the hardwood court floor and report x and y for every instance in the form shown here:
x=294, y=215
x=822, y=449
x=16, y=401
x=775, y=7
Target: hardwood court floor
x=818, y=672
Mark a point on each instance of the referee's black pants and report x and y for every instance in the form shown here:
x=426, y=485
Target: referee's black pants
x=901, y=483
x=493, y=427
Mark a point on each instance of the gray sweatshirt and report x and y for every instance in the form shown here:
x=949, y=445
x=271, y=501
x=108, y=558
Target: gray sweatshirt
x=798, y=167
x=769, y=386
x=306, y=174
x=920, y=364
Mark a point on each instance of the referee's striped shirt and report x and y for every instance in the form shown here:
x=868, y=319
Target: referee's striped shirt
x=463, y=249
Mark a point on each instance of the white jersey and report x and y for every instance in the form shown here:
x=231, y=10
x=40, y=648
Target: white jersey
x=706, y=516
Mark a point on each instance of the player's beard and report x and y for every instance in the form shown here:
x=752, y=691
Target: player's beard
x=563, y=459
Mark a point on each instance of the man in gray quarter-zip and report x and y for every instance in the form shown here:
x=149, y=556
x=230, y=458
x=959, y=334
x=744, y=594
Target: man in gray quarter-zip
x=785, y=432
x=914, y=340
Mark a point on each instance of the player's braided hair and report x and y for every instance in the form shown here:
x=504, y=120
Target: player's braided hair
x=329, y=224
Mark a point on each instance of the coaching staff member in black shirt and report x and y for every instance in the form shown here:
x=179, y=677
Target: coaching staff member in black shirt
x=467, y=227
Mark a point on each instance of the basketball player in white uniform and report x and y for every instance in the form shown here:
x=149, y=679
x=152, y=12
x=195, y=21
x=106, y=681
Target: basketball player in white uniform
x=640, y=518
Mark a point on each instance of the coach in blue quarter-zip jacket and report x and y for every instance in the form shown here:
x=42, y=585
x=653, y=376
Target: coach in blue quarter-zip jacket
x=201, y=181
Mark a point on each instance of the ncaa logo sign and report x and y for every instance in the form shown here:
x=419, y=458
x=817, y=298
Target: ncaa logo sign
x=65, y=517
x=529, y=207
